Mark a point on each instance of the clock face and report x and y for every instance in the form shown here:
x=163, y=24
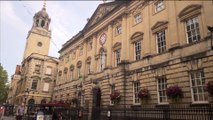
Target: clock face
x=103, y=38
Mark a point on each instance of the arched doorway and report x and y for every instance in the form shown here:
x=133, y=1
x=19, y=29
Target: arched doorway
x=96, y=103
x=30, y=106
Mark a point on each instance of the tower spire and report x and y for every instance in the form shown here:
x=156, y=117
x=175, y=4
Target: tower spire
x=44, y=4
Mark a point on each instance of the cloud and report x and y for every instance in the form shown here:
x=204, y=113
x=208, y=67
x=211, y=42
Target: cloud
x=67, y=19
x=7, y=10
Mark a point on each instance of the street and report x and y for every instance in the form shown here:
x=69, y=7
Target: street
x=8, y=118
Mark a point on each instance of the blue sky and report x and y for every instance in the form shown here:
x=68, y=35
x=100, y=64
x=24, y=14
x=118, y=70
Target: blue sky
x=67, y=19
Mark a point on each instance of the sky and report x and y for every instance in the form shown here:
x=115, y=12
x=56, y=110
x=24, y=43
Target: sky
x=16, y=18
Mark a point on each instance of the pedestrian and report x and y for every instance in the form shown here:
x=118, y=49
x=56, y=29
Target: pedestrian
x=2, y=110
x=60, y=116
x=20, y=112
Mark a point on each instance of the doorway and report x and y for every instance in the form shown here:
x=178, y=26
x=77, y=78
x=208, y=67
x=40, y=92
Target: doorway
x=96, y=104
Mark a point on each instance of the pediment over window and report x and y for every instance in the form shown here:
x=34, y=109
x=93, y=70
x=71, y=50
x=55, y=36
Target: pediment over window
x=47, y=79
x=137, y=9
x=101, y=11
x=79, y=63
x=159, y=26
x=116, y=46
x=136, y=36
x=88, y=60
x=60, y=73
x=36, y=77
x=52, y=60
x=190, y=11
x=65, y=70
x=102, y=49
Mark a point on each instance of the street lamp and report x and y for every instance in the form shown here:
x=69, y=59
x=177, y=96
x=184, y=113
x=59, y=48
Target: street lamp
x=25, y=99
x=210, y=28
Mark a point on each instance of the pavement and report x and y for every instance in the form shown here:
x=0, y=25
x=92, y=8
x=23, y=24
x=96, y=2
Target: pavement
x=8, y=118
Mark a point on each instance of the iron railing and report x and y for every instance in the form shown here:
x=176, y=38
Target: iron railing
x=170, y=112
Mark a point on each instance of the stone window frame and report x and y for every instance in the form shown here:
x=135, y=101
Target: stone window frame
x=73, y=54
x=67, y=58
x=37, y=68
x=135, y=12
x=164, y=80
x=112, y=88
x=117, y=57
x=81, y=50
x=197, y=29
x=99, y=57
x=136, y=88
x=48, y=87
x=157, y=28
x=115, y=48
x=135, y=18
x=155, y=6
x=89, y=45
x=135, y=38
x=137, y=49
x=33, y=83
x=190, y=12
x=161, y=40
x=79, y=65
x=71, y=74
x=118, y=29
x=203, y=85
x=65, y=73
x=51, y=70
x=88, y=65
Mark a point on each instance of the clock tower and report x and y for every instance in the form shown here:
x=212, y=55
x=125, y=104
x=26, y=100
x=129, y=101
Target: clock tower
x=38, y=39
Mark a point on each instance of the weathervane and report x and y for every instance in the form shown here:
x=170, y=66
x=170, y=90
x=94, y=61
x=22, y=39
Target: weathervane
x=44, y=5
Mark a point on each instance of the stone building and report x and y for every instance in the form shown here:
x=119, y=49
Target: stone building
x=13, y=85
x=131, y=45
x=38, y=70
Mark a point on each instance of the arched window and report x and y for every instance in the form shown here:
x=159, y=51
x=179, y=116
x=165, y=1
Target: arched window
x=31, y=102
x=34, y=84
x=88, y=62
x=37, y=21
x=65, y=73
x=136, y=41
x=102, y=59
x=43, y=101
x=42, y=23
x=79, y=63
x=47, y=25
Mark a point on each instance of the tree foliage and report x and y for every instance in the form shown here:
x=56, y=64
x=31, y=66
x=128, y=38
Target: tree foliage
x=3, y=84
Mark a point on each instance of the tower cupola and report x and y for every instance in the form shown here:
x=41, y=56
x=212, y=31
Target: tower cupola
x=41, y=19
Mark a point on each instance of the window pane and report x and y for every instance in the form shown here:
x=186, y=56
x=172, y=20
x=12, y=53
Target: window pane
x=192, y=30
x=161, y=41
x=162, y=90
x=198, y=86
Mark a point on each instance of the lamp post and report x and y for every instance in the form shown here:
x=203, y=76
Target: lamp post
x=25, y=99
x=210, y=28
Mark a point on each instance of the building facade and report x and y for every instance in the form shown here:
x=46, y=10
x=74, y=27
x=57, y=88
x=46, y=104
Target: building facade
x=13, y=85
x=38, y=70
x=132, y=45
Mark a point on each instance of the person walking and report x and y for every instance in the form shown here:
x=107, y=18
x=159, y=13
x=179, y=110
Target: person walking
x=20, y=112
x=2, y=110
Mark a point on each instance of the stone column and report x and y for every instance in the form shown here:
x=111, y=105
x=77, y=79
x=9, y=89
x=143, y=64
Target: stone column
x=124, y=49
x=109, y=45
x=172, y=31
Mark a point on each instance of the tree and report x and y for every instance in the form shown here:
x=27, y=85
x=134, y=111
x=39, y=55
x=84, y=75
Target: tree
x=3, y=84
